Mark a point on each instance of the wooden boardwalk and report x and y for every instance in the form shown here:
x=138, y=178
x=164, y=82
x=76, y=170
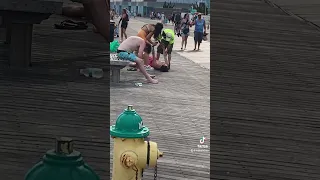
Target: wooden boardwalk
x=306, y=10
x=51, y=99
x=177, y=112
x=265, y=94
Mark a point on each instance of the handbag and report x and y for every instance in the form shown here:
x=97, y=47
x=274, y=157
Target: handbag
x=185, y=31
x=204, y=38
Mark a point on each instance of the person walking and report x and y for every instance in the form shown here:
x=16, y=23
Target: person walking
x=172, y=18
x=163, y=18
x=185, y=29
x=124, y=24
x=199, y=30
x=112, y=14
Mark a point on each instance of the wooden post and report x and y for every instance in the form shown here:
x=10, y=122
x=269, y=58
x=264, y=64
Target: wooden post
x=115, y=75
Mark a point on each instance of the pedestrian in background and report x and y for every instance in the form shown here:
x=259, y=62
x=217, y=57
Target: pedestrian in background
x=185, y=29
x=199, y=30
x=124, y=24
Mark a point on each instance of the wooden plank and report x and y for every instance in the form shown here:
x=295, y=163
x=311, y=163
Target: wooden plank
x=264, y=91
x=50, y=99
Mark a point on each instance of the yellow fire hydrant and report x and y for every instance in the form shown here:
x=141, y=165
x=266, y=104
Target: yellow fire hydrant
x=131, y=152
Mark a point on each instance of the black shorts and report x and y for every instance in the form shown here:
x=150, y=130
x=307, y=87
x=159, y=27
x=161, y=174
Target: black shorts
x=124, y=25
x=198, y=36
x=167, y=45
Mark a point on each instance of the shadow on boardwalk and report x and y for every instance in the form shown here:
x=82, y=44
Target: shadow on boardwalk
x=51, y=99
x=265, y=94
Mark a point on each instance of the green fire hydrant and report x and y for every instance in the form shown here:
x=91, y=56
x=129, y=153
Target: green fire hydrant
x=62, y=163
x=131, y=152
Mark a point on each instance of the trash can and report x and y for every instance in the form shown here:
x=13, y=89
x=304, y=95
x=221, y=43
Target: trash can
x=112, y=23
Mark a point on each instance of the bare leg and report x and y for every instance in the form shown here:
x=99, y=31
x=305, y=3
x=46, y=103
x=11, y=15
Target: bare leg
x=140, y=66
x=124, y=33
x=199, y=45
x=182, y=42
x=158, y=56
x=146, y=58
x=185, y=42
x=121, y=36
x=134, y=65
x=165, y=55
x=99, y=10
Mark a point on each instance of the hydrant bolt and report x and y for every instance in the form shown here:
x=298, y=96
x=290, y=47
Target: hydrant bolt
x=64, y=145
x=128, y=159
x=160, y=154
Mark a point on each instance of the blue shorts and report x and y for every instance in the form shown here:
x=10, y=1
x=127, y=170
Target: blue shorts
x=127, y=56
x=198, y=36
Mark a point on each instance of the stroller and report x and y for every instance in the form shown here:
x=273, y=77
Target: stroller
x=116, y=31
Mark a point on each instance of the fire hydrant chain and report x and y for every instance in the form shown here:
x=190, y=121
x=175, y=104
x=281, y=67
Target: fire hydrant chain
x=136, y=170
x=155, y=172
x=136, y=175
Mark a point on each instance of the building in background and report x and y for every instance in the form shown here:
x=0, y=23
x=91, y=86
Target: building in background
x=145, y=7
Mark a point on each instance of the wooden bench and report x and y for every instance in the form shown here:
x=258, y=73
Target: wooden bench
x=18, y=17
x=116, y=65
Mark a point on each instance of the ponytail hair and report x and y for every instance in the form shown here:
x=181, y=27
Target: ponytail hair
x=158, y=28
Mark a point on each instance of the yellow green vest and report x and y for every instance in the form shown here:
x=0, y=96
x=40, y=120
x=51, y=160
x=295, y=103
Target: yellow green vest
x=169, y=35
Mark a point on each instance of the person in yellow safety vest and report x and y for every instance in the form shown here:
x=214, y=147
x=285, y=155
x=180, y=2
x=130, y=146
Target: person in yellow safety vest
x=166, y=39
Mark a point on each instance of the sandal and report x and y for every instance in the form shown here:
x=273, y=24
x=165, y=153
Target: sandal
x=71, y=25
x=132, y=69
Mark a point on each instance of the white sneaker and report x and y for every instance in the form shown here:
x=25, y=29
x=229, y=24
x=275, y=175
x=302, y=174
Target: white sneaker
x=148, y=68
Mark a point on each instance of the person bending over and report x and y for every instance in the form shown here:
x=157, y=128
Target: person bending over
x=127, y=49
x=147, y=32
x=166, y=45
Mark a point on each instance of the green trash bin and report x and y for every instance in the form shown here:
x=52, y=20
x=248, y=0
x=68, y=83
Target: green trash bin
x=114, y=46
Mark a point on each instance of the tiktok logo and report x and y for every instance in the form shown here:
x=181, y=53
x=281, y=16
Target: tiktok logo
x=202, y=140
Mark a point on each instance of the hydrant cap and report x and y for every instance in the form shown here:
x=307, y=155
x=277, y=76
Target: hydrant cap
x=62, y=157
x=129, y=125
